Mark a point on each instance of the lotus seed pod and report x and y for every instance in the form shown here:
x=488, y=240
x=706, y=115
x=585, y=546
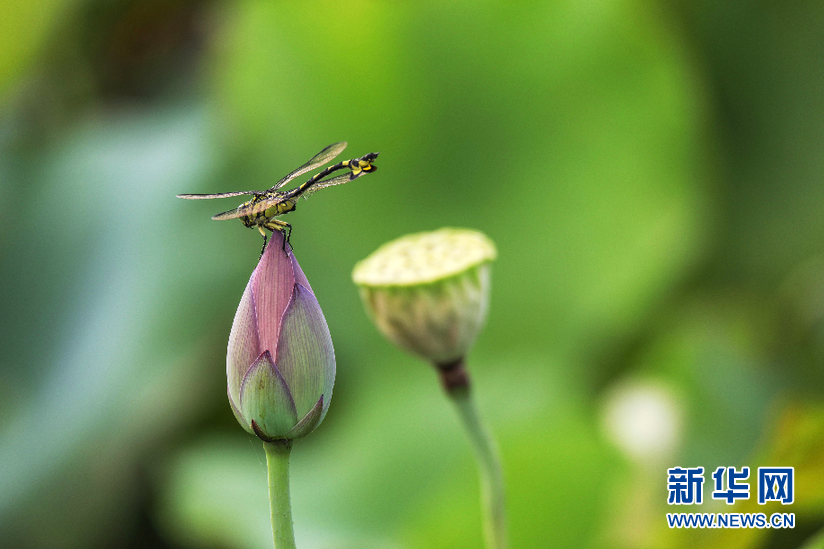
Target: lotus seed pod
x=428, y=293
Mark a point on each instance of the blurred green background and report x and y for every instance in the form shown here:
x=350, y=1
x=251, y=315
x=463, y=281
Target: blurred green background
x=651, y=173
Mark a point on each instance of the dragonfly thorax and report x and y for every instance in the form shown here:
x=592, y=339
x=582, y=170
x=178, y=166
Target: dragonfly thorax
x=280, y=206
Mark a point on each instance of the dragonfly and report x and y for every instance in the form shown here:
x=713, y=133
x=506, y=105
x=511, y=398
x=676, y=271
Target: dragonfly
x=264, y=206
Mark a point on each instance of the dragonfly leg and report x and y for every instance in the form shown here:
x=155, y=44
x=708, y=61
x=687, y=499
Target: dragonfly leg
x=265, y=240
x=282, y=226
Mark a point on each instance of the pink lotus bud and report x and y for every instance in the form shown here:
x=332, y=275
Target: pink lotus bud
x=280, y=364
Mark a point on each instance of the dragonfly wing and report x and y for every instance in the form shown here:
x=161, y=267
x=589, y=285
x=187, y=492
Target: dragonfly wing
x=248, y=209
x=218, y=195
x=240, y=211
x=338, y=180
x=316, y=161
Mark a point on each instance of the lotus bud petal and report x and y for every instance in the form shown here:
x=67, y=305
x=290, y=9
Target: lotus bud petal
x=428, y=293
x=280, y=364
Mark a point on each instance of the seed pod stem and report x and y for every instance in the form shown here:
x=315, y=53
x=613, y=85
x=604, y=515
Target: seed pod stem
x=455, y=380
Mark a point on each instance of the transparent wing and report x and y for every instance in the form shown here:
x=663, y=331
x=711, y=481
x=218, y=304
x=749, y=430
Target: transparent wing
x=240, y=211
x=339, y=180
x=217, y=195
x=247, y=209
x=316, y=161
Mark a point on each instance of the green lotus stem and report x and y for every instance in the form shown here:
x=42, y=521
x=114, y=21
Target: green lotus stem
x=277, y=462
x=493, y=493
